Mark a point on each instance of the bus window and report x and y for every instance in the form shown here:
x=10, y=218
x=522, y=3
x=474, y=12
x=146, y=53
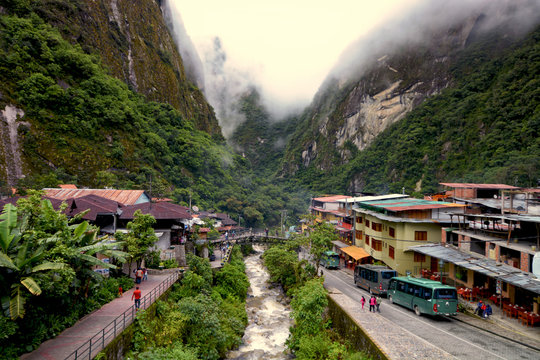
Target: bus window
x=445, y=294
x=410, y=289
x=392, y=285
x=388, y=274
x=401, y=286
x=374, y=276
x=427, y=294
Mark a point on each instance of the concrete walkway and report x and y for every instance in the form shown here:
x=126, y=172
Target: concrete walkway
x=99, y=322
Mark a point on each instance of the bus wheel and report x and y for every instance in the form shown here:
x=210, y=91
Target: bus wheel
x=417, y=310
x=391, y=299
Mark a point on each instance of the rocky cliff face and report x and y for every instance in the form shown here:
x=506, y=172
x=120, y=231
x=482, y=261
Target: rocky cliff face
x=381, y=78
x=348, y=113
x=133, y=41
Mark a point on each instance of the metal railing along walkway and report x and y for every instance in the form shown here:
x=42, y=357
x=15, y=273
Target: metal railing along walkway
x=96, y=343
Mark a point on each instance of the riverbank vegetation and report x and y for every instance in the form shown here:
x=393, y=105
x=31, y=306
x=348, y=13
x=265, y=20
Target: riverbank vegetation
x=203, y=318
x=312, y=336
x=47, y=280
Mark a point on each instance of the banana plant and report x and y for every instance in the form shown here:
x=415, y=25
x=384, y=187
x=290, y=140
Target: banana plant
x=18, y=264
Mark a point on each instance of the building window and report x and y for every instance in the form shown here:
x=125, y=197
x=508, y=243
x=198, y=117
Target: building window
x=367, y=222
x=391, y=252
x=359, y=220
x=419, y=257
x=376, y=226
x=367, y=240
x=420, y=235
x=392, y=232
x=358, y=235
x=376, y=245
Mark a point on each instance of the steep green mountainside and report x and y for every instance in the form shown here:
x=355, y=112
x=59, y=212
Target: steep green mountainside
x=133, y=43
x=483, y=128
x=261, y=139
x=65, y=119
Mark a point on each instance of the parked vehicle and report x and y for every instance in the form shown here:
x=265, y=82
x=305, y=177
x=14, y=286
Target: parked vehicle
x=373, y=278
x=424, y=296
x=330, y=260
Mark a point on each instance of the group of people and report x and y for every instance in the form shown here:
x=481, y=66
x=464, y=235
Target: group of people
x=374, y=303
x=141, y=274
x=483, y=310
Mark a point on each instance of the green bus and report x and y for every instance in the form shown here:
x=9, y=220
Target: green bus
x=424, y=296
x=330, y=260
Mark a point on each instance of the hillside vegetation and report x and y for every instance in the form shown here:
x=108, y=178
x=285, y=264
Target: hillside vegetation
x=84, y=126
x=484, y=128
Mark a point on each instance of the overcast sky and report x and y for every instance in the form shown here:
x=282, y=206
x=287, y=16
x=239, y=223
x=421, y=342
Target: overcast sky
x=288, y=46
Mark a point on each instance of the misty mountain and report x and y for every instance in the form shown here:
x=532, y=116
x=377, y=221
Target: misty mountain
x=413, y=107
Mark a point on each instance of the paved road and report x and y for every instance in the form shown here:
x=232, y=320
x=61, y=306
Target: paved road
x=456, y=338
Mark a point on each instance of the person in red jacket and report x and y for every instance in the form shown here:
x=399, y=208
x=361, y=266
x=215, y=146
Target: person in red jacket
x=137, y=295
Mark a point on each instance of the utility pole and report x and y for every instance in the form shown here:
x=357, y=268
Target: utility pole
x=190, y=201
x=283, y=215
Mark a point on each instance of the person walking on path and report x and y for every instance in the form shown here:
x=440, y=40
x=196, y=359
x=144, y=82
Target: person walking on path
x=379, y=303
x=363, y=302
x=137, y=295
x=138, y=275
x=372, y=303
x=266, y=231
x=145, y=274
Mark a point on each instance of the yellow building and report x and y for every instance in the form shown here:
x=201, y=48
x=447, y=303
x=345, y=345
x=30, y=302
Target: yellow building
x=387, y=228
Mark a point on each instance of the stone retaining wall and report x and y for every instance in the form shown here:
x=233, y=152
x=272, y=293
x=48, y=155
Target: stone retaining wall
x=345, y=324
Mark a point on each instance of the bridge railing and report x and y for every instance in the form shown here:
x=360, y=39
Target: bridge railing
x=102, y=338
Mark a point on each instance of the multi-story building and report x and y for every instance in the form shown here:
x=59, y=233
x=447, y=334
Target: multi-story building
x=387, y=228
x=492, y=252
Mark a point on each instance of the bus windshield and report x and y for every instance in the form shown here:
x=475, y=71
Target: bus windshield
x=388, y=274
x=445, y=294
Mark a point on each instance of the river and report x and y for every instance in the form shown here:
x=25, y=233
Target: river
x=268, y=315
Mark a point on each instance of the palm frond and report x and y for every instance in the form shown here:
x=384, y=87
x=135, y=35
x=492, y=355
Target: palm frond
x=16, y=303
x=8, y=222
x=49, y=266
x=31, y=285
x=80, y=229
x=5, y=261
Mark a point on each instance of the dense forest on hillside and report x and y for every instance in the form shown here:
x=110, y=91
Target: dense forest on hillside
x=483, y=129
x=83, y=126
x=260, y=138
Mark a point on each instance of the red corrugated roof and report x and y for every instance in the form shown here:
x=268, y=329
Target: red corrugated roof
x=162, y=210
x=67, y=186
x=126, y=197
x=480, y=186
x=95, y=204
x=332, y=198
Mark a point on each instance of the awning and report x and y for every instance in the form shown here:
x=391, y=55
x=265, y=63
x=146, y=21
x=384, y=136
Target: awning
x=355, y=252
x=484, y=266
x=339, y=244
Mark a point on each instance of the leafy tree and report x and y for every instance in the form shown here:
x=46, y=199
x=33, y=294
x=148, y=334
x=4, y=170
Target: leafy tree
x=321, y=240
x=139, y=238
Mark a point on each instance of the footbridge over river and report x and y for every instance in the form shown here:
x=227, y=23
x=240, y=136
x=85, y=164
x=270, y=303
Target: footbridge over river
x=226, y=244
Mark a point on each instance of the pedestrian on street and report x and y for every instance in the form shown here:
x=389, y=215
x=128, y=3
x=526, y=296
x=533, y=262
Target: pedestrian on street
x=363, y=302
x=137, y=295
x=138, y=275
x=266, y=231
x=379, y=300
x=145, y=274
x=488, y=311
x=478, y=309
x=372, y=303
x=120, y=290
